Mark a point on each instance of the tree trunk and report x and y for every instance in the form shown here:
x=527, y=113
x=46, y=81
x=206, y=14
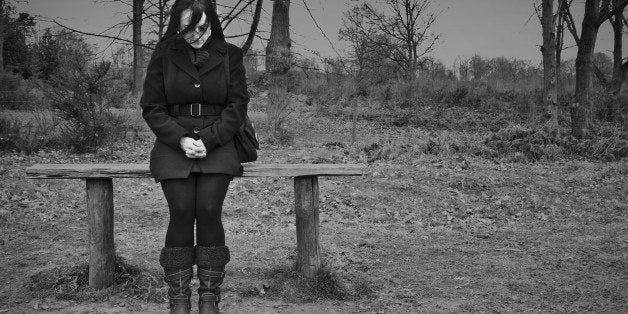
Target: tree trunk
x=354, y=121
x=162, y=18
x=3, y=24
x=619, y=69
x=560, y=37
x=581, y=111
x=138, y=51
x=253, y=30
x=278, y=63
x=549, y=62
x=278, y=49
x=1, y=50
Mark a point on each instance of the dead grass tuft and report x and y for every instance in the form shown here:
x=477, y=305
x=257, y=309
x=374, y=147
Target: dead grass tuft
x=290, y=285
x=72, y=283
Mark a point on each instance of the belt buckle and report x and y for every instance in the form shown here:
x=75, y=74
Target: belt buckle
x=192, y=110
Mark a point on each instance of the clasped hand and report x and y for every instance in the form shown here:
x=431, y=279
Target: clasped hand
x=193, y=148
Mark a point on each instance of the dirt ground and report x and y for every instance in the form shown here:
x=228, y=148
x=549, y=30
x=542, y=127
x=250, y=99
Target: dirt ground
x=427, y=234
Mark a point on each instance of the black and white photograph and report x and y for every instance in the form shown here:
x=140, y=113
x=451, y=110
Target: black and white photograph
x=313, y=156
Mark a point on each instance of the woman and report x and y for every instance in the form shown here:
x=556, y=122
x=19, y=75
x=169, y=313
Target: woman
x=195, y=98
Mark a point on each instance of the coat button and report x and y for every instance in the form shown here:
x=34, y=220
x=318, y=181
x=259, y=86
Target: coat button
x=196, y=130
x=197, y=85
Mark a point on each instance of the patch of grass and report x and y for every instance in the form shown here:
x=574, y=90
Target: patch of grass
x=290, y=285
x=72, y=283
x=17, y=93
x=28, y=132
x=411, y=144
x=523, y=144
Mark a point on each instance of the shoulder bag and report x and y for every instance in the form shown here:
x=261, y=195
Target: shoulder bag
x=245, y=138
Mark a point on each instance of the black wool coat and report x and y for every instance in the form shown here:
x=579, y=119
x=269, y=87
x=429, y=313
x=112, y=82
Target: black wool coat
x=172, y=79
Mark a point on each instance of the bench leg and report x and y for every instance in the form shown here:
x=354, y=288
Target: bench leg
x=100, y=229
x=306, y=210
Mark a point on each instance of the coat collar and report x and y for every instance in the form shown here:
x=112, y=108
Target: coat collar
x=217, y=47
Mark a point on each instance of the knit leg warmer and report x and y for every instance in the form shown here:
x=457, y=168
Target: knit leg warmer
x=212, y=256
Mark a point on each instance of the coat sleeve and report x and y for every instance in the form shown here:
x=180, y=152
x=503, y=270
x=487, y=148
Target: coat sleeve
x=153, y=102
x=234, y=114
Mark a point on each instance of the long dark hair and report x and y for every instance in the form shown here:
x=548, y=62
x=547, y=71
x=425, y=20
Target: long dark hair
x=197, y=7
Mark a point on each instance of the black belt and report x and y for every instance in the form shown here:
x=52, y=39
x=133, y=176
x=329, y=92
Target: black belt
x=195, y=110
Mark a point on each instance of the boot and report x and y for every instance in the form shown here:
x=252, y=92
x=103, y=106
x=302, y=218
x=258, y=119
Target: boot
x=177, y=263
x=210, y=262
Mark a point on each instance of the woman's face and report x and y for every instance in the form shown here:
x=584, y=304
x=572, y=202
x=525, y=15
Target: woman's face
x=201, y=32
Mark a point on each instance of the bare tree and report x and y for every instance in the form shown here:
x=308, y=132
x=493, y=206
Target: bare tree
x=620, y=66
x=366, y=53
x=4, y=19
x=550, y=66
x=462, y=65
x=560, y=36
x=560, y=21
x=357, y=33
x=278, y=49
x=254, y=25
x=138, y=51
x=157, y=11
x=479, y=67
x=367, y=60
x=278, y=62
x=408, y=30
x=140, y=13
x=596, y=12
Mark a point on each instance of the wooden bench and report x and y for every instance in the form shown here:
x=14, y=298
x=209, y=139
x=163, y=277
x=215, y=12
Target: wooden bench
x=99, y=187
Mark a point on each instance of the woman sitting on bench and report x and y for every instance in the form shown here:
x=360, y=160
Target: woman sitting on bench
x=194, y=107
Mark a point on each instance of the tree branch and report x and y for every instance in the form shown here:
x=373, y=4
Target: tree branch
x=607, y=12
x=322, y=32
x=571, y=25
x=253, y=30
x=231, y=16
x=98, y=35
x=600, y=76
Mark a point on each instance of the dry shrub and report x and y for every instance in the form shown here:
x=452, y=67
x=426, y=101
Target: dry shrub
x=405, y=94
x=29, y=136
x=515, y=143
x=82, y=95
x=409, y=147
x=278, y=110
x=15, y=92
x=309, y=83
x=520, y=143
x=331, y=99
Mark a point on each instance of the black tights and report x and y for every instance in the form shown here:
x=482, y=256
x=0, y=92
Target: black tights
x=200, y=198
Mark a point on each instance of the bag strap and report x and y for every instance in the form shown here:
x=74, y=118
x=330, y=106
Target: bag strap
x=246, y=118
x=227, y=68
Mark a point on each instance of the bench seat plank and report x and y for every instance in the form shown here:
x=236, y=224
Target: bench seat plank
x=140, y=170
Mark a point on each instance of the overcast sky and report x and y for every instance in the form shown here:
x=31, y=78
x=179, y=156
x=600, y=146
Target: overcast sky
x=490, y=28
